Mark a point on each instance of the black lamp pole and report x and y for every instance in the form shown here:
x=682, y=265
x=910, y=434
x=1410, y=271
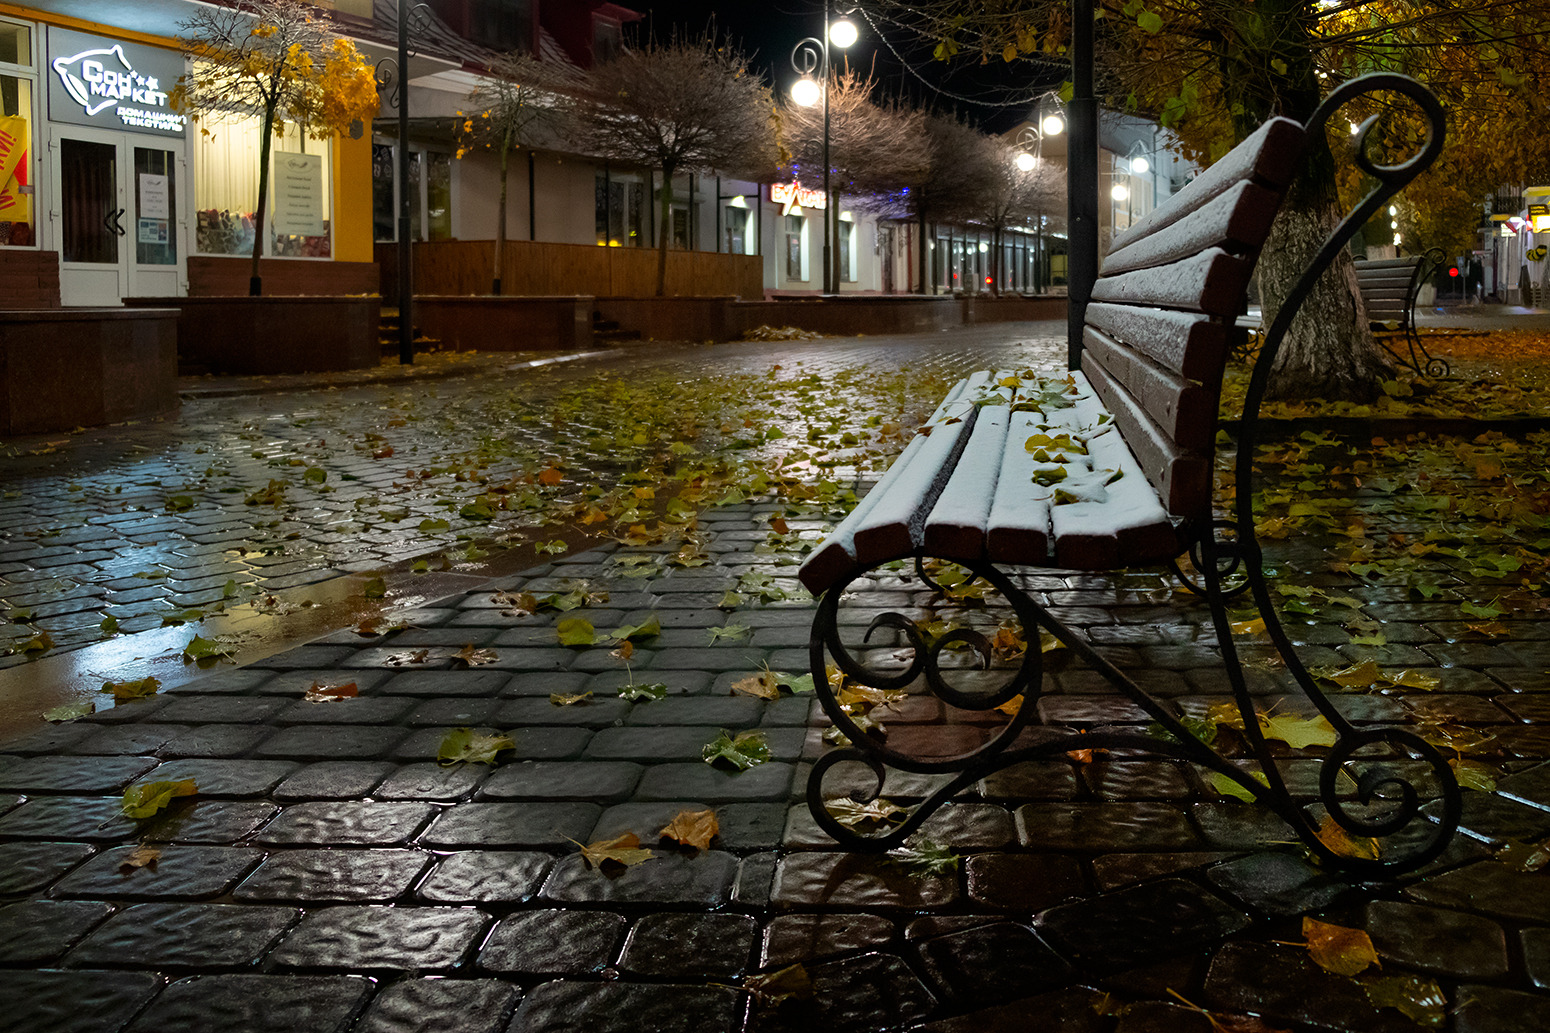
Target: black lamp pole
x=405, y=245
x=1082, y=184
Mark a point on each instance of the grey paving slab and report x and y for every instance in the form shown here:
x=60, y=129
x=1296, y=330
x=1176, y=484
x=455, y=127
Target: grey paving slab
x=257, y=1003
x=75, y=1001
x=167, y=935
x=423, y=939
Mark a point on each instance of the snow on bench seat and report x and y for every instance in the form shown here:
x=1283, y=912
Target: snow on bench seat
x=970, y=488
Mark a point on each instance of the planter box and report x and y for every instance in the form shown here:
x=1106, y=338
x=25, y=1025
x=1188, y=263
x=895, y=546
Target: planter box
x=1015, y=308
x=861, y=314
x=270, y=335
x=83, y=367
x=673, y=319
x=504, y=324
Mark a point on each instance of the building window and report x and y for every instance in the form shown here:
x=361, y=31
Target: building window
x=735, y=231
x=226, y=192
x=17, y=200
x=794, y=233
x=606, y=39
x=620, y=209
x=430, y=193
x=847, y=243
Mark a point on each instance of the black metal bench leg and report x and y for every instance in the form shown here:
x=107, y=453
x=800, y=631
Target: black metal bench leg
x=1378, y=787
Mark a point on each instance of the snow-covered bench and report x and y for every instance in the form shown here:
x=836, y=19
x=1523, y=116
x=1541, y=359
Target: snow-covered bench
x=1106, y=467
x=1389, y=288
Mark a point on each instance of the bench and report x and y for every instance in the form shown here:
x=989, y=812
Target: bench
x=1106, y=467
x=1389, y=288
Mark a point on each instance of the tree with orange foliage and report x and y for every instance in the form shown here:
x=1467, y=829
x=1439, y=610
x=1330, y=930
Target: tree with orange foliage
x=279, y=61
x=1214, y=70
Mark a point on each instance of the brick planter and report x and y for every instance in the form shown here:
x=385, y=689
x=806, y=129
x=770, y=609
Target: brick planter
x=84, y=367
x=269, y=335
x=495, y=324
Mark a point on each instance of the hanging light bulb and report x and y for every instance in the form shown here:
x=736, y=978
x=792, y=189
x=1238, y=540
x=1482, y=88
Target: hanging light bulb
x=1053, y=125
x=1139, y=165
x=843, y=33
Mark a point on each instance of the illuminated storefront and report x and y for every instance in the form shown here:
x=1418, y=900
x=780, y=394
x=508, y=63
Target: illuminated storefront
x=97, y=166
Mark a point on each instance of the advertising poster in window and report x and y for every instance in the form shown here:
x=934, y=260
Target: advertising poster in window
x=298, y=195
x=15, y=191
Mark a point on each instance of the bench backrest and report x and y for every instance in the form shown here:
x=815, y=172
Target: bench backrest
x=1160, y=324
x=1388, y=287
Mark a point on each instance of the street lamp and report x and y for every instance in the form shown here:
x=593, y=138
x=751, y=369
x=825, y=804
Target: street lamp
x=807, y=57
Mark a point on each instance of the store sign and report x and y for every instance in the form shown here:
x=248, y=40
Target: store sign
x=795, y=193
x=298, y=195
x=112, y=85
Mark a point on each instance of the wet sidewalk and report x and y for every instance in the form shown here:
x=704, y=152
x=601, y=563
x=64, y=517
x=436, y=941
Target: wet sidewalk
x=328, y=874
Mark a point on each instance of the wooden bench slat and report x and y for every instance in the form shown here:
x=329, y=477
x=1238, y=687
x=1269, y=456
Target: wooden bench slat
x=1185, y=411
x=1128, y=527
x=1190, y=343
x=1212, y=282
x=1182, y=478
x=1237, y=221
x=1268, y=155
x=836, y=556
x=955, y=528
x=1017, y=528
x=1408, y=262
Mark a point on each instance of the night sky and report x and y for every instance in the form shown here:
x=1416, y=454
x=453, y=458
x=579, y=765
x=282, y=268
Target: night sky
x=768, y=29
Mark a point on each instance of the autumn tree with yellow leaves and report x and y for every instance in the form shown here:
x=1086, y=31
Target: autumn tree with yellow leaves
x=1214, y=70
x=511, y=108
x=278, y=61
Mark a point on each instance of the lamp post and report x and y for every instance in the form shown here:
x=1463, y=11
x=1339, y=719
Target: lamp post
x=1027, y=160
x=808, y=56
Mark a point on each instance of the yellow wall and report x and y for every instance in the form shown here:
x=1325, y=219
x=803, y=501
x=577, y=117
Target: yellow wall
x=352, y=199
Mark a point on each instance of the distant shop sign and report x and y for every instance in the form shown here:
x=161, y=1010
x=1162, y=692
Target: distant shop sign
x=795, y=193
x=110, y=84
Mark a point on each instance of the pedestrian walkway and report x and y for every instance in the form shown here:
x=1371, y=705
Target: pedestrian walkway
x=326, y=873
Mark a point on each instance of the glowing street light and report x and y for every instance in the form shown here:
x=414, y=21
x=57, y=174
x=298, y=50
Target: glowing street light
x=808, y=91
x=1053, y=125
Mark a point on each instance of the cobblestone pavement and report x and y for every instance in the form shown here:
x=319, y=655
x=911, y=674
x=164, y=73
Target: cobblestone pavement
x=235, y=496
x=329, y=875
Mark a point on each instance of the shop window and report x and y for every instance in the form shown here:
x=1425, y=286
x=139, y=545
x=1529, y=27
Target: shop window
x=680, y=224
x=735, y=229
x=621, y=209
x=15, y=44
x=794, y=233
x=847, y=242
x=384, y=211
x=156, y=198
x=430, y=193
x=17, y=227
x=438, y=195
x=226, y=192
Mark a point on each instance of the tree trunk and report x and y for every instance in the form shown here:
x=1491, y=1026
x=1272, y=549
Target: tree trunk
x=1329, y=350
x=255, y=284
x=665, y=210
x=500, y=217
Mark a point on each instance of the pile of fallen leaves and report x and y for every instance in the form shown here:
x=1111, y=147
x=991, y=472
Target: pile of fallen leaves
x=780, y=333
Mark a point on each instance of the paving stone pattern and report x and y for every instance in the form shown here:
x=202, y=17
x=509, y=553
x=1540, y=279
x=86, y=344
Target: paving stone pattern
x=329, y=875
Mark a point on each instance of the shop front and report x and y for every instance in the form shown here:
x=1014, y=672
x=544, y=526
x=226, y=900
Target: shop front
x=116, y=167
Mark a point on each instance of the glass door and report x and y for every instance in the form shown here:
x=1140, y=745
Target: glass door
x=115, y=203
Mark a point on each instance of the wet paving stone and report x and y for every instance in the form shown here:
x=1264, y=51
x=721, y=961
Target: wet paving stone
x=323, y=876
x=1032, y=780
x=73, y=774
x=789, y=939
x=991, y=964
x=222, y=709
x=1277, y=883
x=1449, y=943
x=566, y=1005
x=216, y=741
x=1240, y=826
x=768, y=781
x=854, y=995
x=137, y=737
x=690, y=946
x=185, y=936
x=215, y=822
x=1115, y=870
x=1138, y=925
x=1023, y=882
x=485, y=876
x=420, y=939
x=432, y=782
x=1073, y=1010
x=698, y=880
x=1282, y=984
x=347, y=823
x=333, y=779
x=255, y=1003
x=596, y=781
x=1490, y=1009
x=361, y=710
x=1105, y=826
x=1490, y=888
x=511, y=825
x=181, y=873
x=77, y=1001
x=229, y=778
x=443, y=1005
x=1536, y=956
x=554, y=943
x=821, y=879
x=37, y=932
x=1495, y=819
x=29, y=866
x=332, y=742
